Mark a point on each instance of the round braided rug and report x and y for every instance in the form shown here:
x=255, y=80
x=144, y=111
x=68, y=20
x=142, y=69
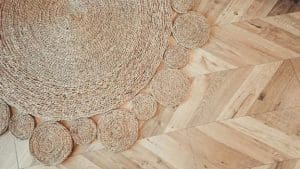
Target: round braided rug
x=66, y=59
x=21, y=125
x=176, y=57
x=182, y=6
x=143, y=106
x=50, y=143
x=4, y=116
x=118, y=130
x=83, y=131
x=191, y=30
x=170, y=87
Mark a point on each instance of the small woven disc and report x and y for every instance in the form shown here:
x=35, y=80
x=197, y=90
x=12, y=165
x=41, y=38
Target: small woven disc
x=191, y=30
x=118, y=130
x=50, y=143
x=176, y=57
x=169, y=87
x=83, y=131
x=144, y=107
x=182, y=6
x=4, y=116
x=21, y=126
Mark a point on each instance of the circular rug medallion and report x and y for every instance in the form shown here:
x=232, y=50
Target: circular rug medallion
x=50, y=143
x=21, y=125
x=191, y=30
x=176, y=57
x=143, y=106
x=65, y=59
x=83, y=131
x=118, y=130
x=170, y=87
x=182, y=6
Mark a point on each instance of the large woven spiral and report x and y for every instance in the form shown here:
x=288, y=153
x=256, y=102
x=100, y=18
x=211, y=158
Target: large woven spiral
x=4, y=116
x=22, y=125
x=66, y=59
x=118, y=130
x=51, y=143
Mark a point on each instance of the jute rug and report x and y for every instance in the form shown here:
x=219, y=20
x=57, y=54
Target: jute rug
x=65, y=64
x=58, y=54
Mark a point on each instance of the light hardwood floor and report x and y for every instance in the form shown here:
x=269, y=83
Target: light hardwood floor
x=243, y=111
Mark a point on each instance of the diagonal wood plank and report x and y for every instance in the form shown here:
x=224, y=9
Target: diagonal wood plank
x=290, y=164
x=282, y=92
x=255, y=44
x=228, y=11
x=285, y=145
x=285, y=6
x=226, y=94
x=251, y=90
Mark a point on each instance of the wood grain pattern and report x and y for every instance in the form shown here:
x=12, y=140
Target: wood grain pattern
x=243, y=111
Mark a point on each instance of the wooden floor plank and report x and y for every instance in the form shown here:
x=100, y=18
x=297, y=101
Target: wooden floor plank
x=287, y=145
x=289, y=164
x=220, y=12
x=259, y=41
x=285, y=6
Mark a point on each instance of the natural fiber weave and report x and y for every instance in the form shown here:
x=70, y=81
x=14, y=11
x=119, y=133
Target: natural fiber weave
x=176, y=57
x=118, y=130
x=182, y=6
x=169, y=87
x=4, y=116
x=83, y=131
x=21, y=126
x=72, y=59
x=143, y=106
x=50, y=143
x=191, y=30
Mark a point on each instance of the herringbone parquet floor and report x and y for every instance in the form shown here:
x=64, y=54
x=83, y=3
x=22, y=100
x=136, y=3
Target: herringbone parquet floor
x=244, y=108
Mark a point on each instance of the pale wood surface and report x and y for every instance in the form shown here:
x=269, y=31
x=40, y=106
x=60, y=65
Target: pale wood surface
x=243, y=111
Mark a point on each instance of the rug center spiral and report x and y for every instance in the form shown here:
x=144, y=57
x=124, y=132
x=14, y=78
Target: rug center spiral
x=76, y=58
x=80, y=43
